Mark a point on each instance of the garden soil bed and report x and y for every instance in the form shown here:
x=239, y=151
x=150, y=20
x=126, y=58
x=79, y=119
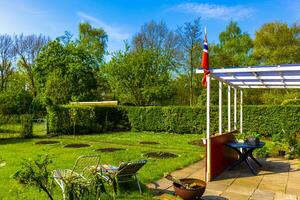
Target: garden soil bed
x=149, y=142
x=76, y=145
x=160, y=155
x=47, y=142
x=110, y=149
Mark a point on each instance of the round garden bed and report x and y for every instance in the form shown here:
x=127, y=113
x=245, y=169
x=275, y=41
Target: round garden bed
x=196, y=142
x=160, y=155
x=79, y=145
x=111, y=149
x=149, y=142
x=47, y=142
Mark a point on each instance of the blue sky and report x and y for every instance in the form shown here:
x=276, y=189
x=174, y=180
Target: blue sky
x=121, y=19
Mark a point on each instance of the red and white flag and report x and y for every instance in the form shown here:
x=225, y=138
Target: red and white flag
x=205, y=59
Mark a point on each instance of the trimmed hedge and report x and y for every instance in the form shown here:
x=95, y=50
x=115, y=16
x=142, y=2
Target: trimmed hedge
x=74, y=119
x=266, y=120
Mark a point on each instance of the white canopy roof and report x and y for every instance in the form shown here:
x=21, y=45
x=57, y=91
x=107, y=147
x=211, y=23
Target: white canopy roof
x=281, y=76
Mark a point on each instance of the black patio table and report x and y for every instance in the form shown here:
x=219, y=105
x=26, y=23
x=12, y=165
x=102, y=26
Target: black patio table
x=245, y=151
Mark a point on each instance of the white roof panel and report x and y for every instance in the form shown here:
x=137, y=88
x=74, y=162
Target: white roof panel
x=281, y=76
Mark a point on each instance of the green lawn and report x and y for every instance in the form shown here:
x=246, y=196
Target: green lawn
x=13, y=150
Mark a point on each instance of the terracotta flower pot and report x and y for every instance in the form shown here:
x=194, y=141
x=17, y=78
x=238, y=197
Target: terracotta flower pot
x=190, y=194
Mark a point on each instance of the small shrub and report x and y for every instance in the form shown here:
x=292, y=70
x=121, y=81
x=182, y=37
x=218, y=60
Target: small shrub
x=36, y=173
x=27, y=124
x=262, y=152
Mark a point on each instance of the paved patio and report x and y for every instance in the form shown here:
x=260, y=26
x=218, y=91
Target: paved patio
x=278, y=179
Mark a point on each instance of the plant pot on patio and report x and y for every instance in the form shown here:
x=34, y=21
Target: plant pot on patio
x=281, y=153
x=192, y=193
x=253, y=141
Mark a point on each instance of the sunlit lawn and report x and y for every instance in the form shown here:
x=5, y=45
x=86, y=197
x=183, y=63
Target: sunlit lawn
x=15, y=149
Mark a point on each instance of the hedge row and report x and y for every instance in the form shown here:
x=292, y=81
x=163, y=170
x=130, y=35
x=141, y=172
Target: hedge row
x=72, y=119
x=266, y=120
x=177, y=119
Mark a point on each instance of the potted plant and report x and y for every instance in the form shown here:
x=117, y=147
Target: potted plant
x=280, y=143
x=240, y=137
x=253, y=139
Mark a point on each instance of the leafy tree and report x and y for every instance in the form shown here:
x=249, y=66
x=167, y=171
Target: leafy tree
x=7, y=54
x=277, y=43
x=139, y=77
x=190, y=41
x=27, y=49
x=234, y=48
x=157, y=36
x=16, y=98
x=93, y=40
x=69, y=64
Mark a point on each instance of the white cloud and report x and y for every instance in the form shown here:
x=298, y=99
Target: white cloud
x=214, y=11
x=115, y=33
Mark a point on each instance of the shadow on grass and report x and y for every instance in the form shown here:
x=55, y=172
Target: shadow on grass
x=9, y=131
x=15, y=140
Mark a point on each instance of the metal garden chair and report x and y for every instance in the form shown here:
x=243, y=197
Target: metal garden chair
x=85, y=168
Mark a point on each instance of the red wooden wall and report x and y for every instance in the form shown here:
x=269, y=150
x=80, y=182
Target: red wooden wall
x=221, y=156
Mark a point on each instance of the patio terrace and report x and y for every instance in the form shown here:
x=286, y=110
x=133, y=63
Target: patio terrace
x=278, y=179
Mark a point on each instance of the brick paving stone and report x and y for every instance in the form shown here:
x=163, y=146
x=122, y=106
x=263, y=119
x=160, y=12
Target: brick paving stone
x=209, y=192
x=282, y=196
x=235, y=196
x=261, y=194
x=241, y=189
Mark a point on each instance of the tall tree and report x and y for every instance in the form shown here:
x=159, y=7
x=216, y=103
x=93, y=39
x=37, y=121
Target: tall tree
x=139, y=77
x=65, y=72
x=190, y=40
x=277, y=43
x=157, y=36
x=234, y=48
x=27, y=49
x=93, y=40
x=7, y=54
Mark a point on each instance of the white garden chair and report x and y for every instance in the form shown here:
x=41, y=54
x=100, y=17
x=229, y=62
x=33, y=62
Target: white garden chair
x=84, y=168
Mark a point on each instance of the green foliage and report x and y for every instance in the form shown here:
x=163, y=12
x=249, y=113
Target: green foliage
x=93, y=40
x=140, y=77
x=16, y=98
x=277, y=43
x=262, y=152
x=65, y=72
x=36, y=173
x=265, y=120
x=291, y=102
x=73, y=119
x=27, y=124
x=234, y=48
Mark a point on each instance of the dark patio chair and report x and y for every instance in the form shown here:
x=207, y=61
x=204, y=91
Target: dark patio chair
x=126, y=172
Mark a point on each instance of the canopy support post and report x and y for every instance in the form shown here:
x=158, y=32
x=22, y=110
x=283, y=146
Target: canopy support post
x=220, y=107
x=208, y=145
x=229, y=112
x=241, y=111
x=235, y=110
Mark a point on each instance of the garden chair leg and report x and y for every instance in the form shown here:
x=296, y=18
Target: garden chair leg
x=138, y=184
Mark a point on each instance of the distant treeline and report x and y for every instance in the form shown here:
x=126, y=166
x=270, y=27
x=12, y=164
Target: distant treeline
x=156, y=67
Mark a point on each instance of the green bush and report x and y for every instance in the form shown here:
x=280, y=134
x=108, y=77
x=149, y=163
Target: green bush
x=26, y=131
x=73, y=119
x=291, y=102
x=36, y=173
x=265, y=120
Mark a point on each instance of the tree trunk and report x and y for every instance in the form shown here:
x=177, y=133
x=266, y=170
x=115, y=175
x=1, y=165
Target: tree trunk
x=191, y=78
